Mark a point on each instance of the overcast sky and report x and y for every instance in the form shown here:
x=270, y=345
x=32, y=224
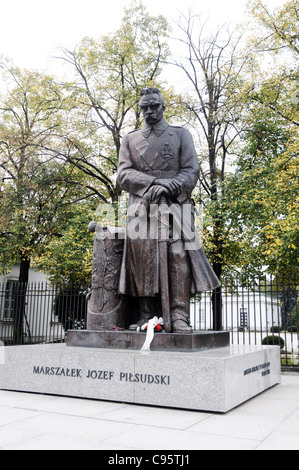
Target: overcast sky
x=32, y=31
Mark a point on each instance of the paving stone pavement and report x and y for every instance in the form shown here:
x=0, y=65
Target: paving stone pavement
x=268, y=421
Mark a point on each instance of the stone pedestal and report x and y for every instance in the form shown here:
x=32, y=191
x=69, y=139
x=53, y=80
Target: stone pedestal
x=187, y=342
x=213, y=380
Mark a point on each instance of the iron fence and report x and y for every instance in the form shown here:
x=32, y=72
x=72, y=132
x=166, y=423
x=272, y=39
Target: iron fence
x=40, y=312
x=260, y=310
x=257, y=310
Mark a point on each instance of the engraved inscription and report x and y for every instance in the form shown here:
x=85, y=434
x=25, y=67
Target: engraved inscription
x=109, y=375
x=265, y=365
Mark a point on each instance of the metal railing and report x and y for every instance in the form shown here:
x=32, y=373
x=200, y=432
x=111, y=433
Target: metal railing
x=260, y=310
x=39, y=312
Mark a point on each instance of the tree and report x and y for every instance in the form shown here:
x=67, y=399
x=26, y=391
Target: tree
x=33, y=191
x=275, y=38
x=67, y=259
x=109, y=75
x=32, y=178
x=102, y=103
x=264, y=197
x=280, y=26
x=213, y=66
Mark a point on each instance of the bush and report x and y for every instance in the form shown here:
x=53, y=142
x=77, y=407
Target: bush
x=295, y=317
x=273, y=339
x=275, y=329
x=292, y=329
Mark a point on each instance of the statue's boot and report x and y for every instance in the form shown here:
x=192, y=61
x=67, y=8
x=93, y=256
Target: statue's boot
x=180, y=281
x=144, y=307
x=180, y=326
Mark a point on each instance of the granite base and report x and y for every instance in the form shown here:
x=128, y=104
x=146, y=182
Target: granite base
x=214, y=380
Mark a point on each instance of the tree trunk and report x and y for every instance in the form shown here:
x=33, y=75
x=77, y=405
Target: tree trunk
x=217, y=234
x=217, y=266
x=217, y=300
x=20, y=301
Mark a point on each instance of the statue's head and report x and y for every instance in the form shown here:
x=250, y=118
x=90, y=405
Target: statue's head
x=152, y=105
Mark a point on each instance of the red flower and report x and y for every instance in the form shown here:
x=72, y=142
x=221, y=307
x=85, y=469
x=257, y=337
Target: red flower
x=157, y=327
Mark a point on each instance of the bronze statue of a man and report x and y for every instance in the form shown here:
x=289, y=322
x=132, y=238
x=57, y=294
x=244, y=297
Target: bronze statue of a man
x=159, y=168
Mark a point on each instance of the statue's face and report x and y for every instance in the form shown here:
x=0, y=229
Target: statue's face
x=152, y=108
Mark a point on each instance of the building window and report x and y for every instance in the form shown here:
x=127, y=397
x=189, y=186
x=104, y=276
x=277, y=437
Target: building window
x=243, y=317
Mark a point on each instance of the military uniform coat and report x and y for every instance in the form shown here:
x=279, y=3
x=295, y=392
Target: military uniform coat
x=159, y=151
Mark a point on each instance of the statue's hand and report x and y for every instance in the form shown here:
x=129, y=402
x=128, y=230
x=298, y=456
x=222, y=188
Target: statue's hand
x=155, y=192
x=92, y=226
x=173, y=186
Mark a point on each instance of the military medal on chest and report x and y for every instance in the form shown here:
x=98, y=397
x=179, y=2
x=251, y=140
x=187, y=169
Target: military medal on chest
x=167, y=152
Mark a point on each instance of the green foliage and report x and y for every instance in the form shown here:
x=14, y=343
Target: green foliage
x=281, y=25
x=295, y=316
x=59, y=145
x=273, y=340
x=68, y=258
x=293, y=329
x=109, y=75
x=29, y=191
x=213, y=66
x=275, y=329
x=262, y=201
x=261, y=198
x=37, y=187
